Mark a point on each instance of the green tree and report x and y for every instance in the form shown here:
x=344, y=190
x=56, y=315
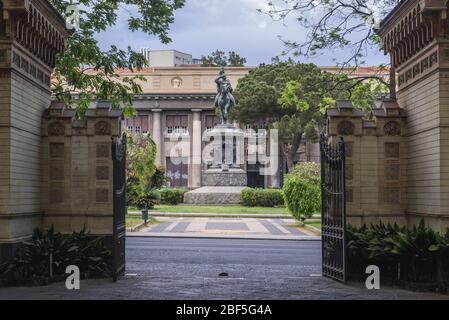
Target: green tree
x=220, y=59
x=142, y=174
x=293, y=97
x=86, y=69
x=217, y=58
x=331, y=25
x=235, y=60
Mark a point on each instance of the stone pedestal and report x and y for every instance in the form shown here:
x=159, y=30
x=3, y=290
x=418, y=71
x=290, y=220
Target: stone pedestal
x=225, y=178
x=231, y=177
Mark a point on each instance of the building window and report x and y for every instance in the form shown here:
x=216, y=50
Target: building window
x=177, y=125
x=130, y=128
x=211, y=122
x=138, y=129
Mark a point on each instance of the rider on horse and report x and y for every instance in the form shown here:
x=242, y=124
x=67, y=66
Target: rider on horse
x=224, y=100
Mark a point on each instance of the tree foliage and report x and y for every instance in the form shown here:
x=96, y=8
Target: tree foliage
x=92, y=73
x=220, y=59
x=331, y=25
x=292, y=96
x=142, y=174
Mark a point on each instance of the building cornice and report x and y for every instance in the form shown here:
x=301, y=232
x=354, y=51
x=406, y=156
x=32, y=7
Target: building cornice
x=175, y=96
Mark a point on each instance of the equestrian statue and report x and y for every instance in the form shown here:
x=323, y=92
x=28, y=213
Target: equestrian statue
x=224, y=101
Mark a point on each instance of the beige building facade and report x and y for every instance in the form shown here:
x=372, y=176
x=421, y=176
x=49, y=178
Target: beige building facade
x=31, y=34
x=398, y=164
x=177, y=107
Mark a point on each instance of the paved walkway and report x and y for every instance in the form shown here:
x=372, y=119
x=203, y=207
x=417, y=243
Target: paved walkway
x=242, y=228
x=186, y=269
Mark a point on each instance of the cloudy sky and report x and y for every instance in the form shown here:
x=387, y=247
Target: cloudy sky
x=203, y=26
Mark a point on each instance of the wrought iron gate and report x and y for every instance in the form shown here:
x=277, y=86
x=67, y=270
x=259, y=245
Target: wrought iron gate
x=119, y=187
x=333, y=209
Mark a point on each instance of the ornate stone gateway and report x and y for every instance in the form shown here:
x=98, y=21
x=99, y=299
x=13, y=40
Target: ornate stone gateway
x=333, y=209
x=119, y=189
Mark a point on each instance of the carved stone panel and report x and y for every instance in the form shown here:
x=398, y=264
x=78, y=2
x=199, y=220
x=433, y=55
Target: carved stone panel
x=349, y=171
x=56, y=193
x=392, y=195
x=345, y=127
x=102, y=195
x=102, y=150
x=56, y=129
x=392, y=150
x=57, y=150
x=392, y=128
x=57, y=172
x=392, y=172
x=349, y=195
x=103, y=128
x=349, y=146
x=2, y=55
x=102, y=173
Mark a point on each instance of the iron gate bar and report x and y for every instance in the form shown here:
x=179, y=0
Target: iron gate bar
x=333, y=208
x=119, y=206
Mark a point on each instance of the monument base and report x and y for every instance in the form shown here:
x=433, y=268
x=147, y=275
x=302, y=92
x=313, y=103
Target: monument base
x=220, y=177
x=214, y=195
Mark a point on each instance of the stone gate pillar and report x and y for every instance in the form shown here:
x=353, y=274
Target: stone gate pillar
x=31, y=35
x=375, y=161
x=78, y=169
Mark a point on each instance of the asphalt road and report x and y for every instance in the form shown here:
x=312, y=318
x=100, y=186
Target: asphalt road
x=186, y=269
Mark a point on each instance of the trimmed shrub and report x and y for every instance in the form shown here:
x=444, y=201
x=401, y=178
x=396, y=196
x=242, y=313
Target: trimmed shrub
x=302, y=191
x=262, y=197
x=172, y=196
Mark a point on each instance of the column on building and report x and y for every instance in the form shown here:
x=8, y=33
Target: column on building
x=157, y=135
x=196, y=149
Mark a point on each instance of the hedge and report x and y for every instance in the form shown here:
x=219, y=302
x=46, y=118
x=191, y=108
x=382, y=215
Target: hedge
x=262, y=197
x=172, y=196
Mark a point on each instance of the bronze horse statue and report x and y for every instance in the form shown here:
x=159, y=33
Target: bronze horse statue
x=224, y=100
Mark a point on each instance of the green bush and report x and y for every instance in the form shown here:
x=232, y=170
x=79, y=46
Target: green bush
x=31, y=264
x=302, y=191
x=411, y=255
x=262, y=197
x=172, y=196
x=138, y=195
x=147, y=199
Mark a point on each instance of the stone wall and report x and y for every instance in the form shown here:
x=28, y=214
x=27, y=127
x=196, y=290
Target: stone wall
x=27, y=58
x=415, y=35
x=77, y=168
x=375, y=161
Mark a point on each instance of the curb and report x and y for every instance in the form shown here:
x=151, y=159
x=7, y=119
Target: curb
x=312, y=229
x=228, y=237
x=136, y=227
x=214, y=215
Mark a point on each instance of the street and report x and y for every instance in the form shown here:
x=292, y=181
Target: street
x=186, y=269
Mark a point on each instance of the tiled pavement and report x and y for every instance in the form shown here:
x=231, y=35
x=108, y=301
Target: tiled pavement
x=246, y=228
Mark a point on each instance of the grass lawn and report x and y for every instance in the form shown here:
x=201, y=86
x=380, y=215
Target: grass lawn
x=231, y=209
x=316, y=224
x=134, y=220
